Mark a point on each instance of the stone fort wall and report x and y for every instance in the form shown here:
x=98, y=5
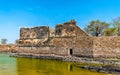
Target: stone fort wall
x=106, y=46
x=67, y=39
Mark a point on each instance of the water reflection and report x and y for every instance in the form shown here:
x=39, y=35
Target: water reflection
x=27, y=66
x=7, y=65
x=71, y=68
x=49, y=67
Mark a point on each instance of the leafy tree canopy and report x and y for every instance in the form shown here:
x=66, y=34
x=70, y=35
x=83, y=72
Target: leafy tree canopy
x=3, y=41
x=96, y=28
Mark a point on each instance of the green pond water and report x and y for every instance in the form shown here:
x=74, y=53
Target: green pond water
x=27, y=66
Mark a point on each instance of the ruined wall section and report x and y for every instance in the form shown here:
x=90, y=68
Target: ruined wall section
x=34, y=36
x=61, y=45
x=69, y=29
x=59, y=42
x=62, y=42
x=35, y=33
x=106, y=47
x=35, y=50
x=98, y=47
x=83, y=46
x=70, y=36
x=39, y=36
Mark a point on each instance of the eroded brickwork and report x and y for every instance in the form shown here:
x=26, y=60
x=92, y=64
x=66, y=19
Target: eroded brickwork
x=34, y=33
x=35, y=36
x=69, y=29
x=67, y=39
x=106, y=46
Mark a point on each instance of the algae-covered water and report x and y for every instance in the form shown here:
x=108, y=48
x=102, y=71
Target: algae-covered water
x=27, y=66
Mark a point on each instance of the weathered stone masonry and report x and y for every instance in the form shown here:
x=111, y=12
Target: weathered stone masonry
x=106, y=46
x=8, y=48
x=67, y=39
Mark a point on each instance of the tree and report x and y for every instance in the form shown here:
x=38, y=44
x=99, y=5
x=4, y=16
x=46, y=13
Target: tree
x=96, y=28
x=17, y=41
x=4, y=41
x=116, y=24
x=110, y=32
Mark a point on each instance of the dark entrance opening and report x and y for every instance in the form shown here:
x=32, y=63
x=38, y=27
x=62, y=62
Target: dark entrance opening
x=71, y=51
